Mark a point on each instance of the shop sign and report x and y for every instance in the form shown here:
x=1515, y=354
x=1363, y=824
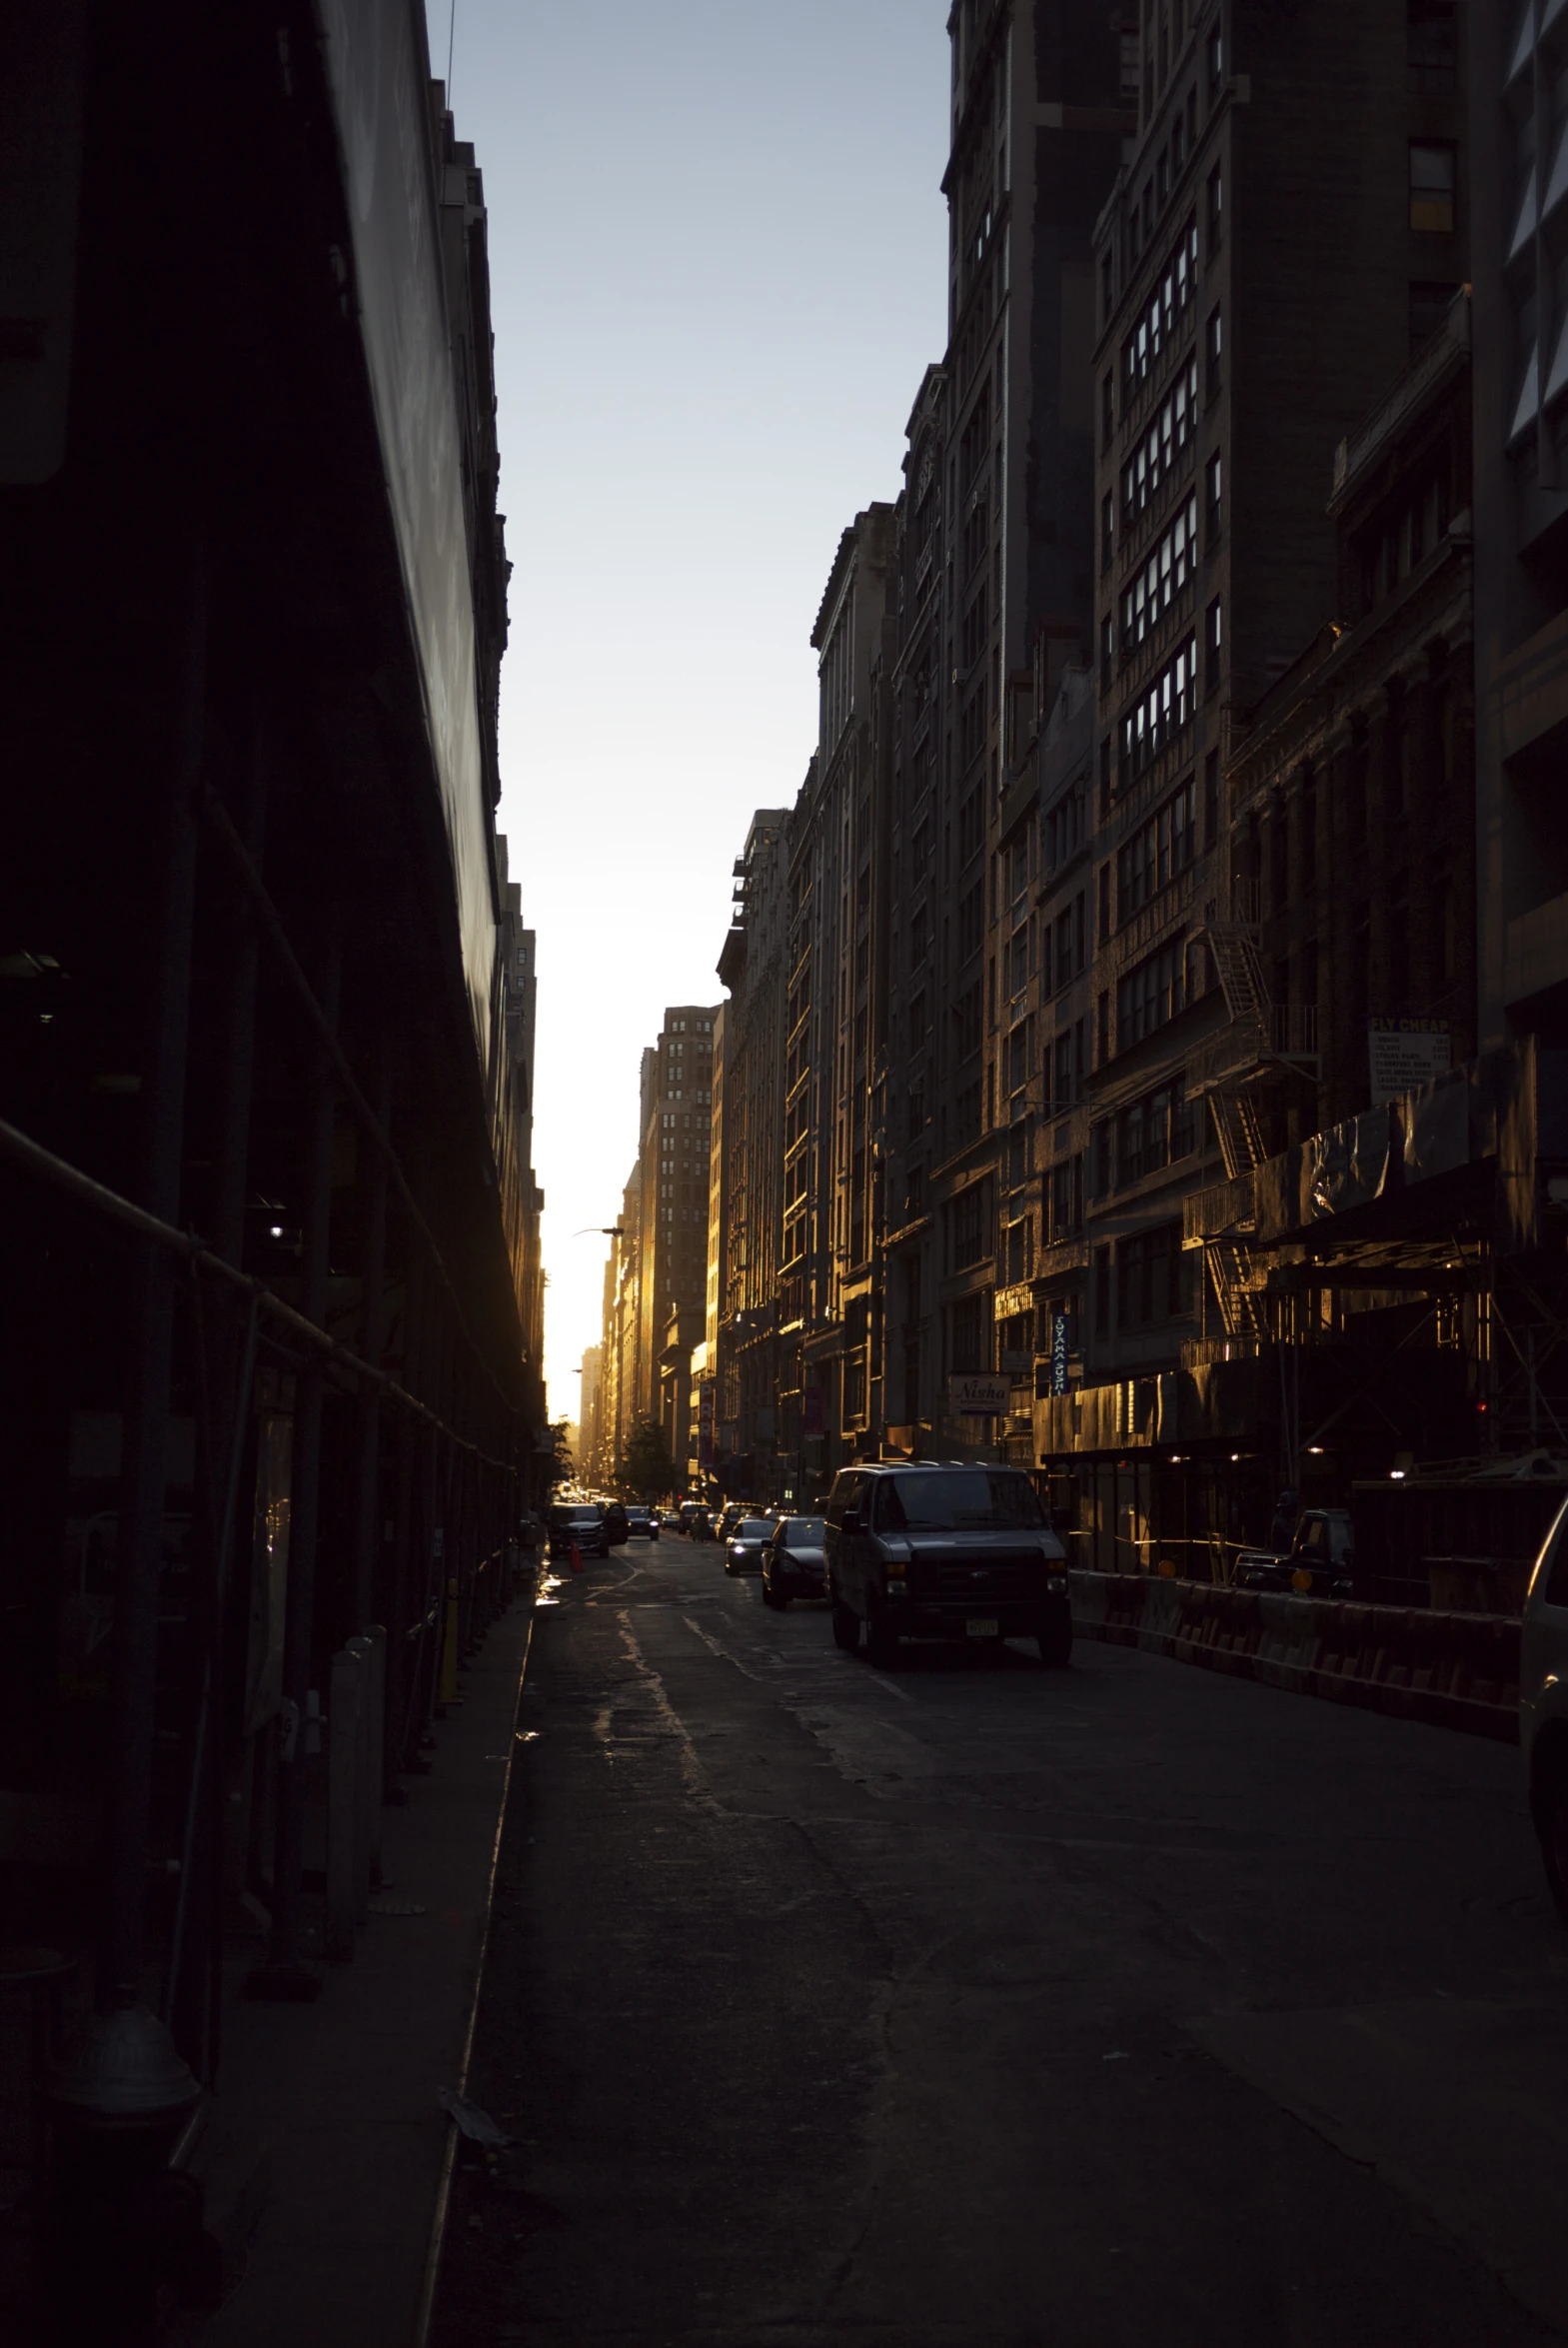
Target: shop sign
x=1405, y=1053
x=979, y=1396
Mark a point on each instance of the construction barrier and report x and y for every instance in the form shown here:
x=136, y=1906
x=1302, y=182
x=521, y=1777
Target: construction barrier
x=1451, y=1670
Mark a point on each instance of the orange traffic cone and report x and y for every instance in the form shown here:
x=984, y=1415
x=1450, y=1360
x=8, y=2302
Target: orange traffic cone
x=576, y=1558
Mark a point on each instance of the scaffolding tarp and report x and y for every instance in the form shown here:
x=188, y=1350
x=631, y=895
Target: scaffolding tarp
x=375, y=70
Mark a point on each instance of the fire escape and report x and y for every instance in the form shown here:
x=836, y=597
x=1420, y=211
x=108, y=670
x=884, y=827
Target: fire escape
x=1262, y=1045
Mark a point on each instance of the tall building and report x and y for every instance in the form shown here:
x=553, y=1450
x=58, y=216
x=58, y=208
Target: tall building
x=996, y=577
x=1521, y=429
x=1243, y=331
x=590, y=1397
x=745, y=1199
x=836, y=1013
x=675, y=1098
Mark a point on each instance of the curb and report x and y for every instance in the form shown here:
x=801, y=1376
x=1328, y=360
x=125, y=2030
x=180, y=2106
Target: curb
x=425, y=2311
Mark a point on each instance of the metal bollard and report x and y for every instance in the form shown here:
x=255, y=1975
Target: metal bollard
x=451, y=1642
x=374, y=1637
x=345, y=1772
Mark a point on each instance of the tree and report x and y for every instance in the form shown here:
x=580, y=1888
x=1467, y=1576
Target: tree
x=646, y=1465
x=562, y=1466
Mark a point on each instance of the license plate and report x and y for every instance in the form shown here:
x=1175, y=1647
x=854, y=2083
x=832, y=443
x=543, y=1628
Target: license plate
x=981, y=1626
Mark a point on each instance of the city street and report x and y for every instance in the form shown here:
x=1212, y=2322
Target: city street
x=975, y=2004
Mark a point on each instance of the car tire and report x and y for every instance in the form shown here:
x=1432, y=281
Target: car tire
x=1549, y=1809
x=847, y=1627
x=780, y=1601
x=1055, y=1645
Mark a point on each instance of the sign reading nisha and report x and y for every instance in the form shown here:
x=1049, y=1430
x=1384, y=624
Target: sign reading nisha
x=979, y=1396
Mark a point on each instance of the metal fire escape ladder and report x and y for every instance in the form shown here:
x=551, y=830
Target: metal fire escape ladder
x=1227, y=1074
x=1240, y=968
x=1229, y=1265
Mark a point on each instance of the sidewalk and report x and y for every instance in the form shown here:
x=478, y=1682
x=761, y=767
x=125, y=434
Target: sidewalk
x=329, y=2111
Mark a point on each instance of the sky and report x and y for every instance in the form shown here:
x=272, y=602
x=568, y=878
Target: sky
x=717, y=253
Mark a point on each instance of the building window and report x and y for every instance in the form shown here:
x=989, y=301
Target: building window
x=1443, y=927
x=1308, y=829
x=1400, y=946
x=1151, y=994
x=1432, y=44
x=971, y=1335
x=1065, y=1195
x=1433, y=177
x=1151, y=1277
x=1211, y=799
x=1356, y=781
x=968, y=1227
x=1360, y=964
x=1214, y=199
x=1156, y=854
x=1213, y=483
x=1160, y=579
x=1213, y=643
x=1156, y=1131
x=972, y=921
x=1216, y=61
x=1107, y=410
x=1107, y=539
x=1160, y=715
x=1159, y=447
x=1396, y=748
x=1102, y=1291
x=1064, y=826
x=1168, y=305
x=1213, y=347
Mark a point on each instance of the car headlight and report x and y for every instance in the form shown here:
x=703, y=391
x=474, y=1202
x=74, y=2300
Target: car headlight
x=898, y=1589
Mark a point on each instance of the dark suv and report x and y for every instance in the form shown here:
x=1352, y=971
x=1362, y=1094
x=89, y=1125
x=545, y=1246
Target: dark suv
x=924, y=1551
x=580, y=1526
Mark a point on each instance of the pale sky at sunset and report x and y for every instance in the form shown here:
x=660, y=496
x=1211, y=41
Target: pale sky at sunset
x=718, y=258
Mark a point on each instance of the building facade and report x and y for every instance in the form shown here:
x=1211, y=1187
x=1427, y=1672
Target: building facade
x=745, y=1206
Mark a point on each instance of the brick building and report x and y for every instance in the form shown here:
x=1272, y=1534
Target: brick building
x=1288, y=222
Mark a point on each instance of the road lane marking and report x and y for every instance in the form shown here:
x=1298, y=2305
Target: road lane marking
x=776, y=1662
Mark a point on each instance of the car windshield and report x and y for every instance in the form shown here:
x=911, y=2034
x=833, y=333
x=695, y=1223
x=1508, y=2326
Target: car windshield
x=583, y=1515
x=803, y=1533
x=973, y=1500
x=753, y=1529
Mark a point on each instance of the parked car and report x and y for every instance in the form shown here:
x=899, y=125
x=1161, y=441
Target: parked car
x=641, y=1524
x=962, y=1551
x=795, y=1562
x=580, y=1524
x=1319, y=1562
x=1543, y=1703
x=730, y=1515
x=743, y=1549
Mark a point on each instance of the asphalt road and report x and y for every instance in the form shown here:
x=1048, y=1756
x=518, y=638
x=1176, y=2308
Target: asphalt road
x=975, y=2005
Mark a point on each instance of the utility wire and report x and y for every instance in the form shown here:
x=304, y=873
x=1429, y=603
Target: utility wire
x=23, y=1151
x=278, y=939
